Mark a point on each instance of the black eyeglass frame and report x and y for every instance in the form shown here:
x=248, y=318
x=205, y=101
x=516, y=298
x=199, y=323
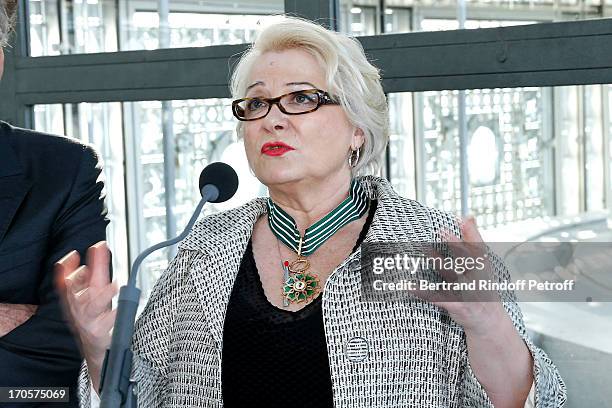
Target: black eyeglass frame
x=323, y=99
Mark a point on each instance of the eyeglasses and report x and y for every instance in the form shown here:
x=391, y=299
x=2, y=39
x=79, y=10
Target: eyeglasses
x=294, y=103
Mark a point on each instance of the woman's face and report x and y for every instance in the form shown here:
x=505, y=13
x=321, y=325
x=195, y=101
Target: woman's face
x=318, y=141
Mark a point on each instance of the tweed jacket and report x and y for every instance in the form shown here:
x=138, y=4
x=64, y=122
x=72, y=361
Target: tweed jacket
x=411, y=354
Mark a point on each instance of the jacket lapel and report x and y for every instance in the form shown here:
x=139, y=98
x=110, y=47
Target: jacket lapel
x=396, y=217
x=14, y=186
x=223, y=238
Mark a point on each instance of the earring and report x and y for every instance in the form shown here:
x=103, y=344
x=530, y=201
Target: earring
x=353, y=158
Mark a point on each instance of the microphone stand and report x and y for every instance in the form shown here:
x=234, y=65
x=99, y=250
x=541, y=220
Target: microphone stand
x=117, y=390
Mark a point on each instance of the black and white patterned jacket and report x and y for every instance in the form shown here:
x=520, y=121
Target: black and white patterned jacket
x=416, y=356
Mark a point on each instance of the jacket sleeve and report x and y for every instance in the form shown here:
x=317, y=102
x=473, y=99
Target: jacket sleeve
x=46, y=338
x=152, y=335
x=550, y=390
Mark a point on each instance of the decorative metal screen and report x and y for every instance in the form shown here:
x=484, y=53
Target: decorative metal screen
x=508, y=153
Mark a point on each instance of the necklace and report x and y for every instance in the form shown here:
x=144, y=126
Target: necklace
x=300, y=284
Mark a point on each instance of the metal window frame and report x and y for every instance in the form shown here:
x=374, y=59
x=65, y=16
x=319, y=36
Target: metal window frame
x=607, y=141
x=548, y=155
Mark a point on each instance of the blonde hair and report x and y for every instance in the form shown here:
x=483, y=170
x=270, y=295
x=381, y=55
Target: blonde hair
x=350, y=78
x=8, y=11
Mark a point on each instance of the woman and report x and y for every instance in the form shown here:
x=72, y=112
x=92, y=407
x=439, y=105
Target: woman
x=261, y=306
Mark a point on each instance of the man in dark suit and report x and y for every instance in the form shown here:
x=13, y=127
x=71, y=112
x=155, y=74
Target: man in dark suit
x=51, y=202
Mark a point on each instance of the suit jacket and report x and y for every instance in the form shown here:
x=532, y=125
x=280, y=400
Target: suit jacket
x=50, y=203
x=381, y=354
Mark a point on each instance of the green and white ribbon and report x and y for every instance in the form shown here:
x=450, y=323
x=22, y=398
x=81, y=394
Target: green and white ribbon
x=285, y=228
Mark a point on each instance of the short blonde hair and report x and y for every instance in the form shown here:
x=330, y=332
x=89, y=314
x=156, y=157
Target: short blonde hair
x=350, y=78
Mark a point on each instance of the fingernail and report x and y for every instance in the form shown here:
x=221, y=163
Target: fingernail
x=99, y=244
x=65, y=257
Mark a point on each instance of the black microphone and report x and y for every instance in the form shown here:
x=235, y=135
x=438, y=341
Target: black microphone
x=219, y=174
x=218, y=183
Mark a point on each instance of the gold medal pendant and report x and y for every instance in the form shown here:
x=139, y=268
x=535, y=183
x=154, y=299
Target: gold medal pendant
x=301, y=285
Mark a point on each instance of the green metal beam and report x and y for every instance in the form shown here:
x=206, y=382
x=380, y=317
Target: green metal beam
x=325, y=12
x=549, y=54
x=181, y=73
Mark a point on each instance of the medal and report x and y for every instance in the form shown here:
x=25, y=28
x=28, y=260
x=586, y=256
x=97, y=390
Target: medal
x=300, y=284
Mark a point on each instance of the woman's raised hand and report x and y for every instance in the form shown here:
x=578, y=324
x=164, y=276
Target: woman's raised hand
x=475, y=310
x=86, y=294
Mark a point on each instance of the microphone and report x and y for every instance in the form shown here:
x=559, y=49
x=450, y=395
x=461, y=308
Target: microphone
x=218, y=183
x=219, y=174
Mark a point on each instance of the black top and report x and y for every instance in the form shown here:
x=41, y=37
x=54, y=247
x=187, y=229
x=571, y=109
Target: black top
x=274, y=357
x=51, y=202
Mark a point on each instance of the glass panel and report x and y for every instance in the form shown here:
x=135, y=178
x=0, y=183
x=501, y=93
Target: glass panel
x=192, y=29
x=594, y=147
x=362, y=20
x=44, y=27
x=505, y=153
x=580, y=116
x=439, y=24
x=398, y=20
x=401, y=144
x=72, y=26
x=533, y=153
x=568, y=155
x=49, y=119
x=609, y=154
x=100, y=125
x=357, y=17
x=88, y=26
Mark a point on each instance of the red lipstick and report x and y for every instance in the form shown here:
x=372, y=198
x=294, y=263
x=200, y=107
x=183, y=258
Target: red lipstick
x=275, y=148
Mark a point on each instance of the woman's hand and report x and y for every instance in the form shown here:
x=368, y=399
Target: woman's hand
x=14, y=315
x=477, y=311
x=86, y=294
